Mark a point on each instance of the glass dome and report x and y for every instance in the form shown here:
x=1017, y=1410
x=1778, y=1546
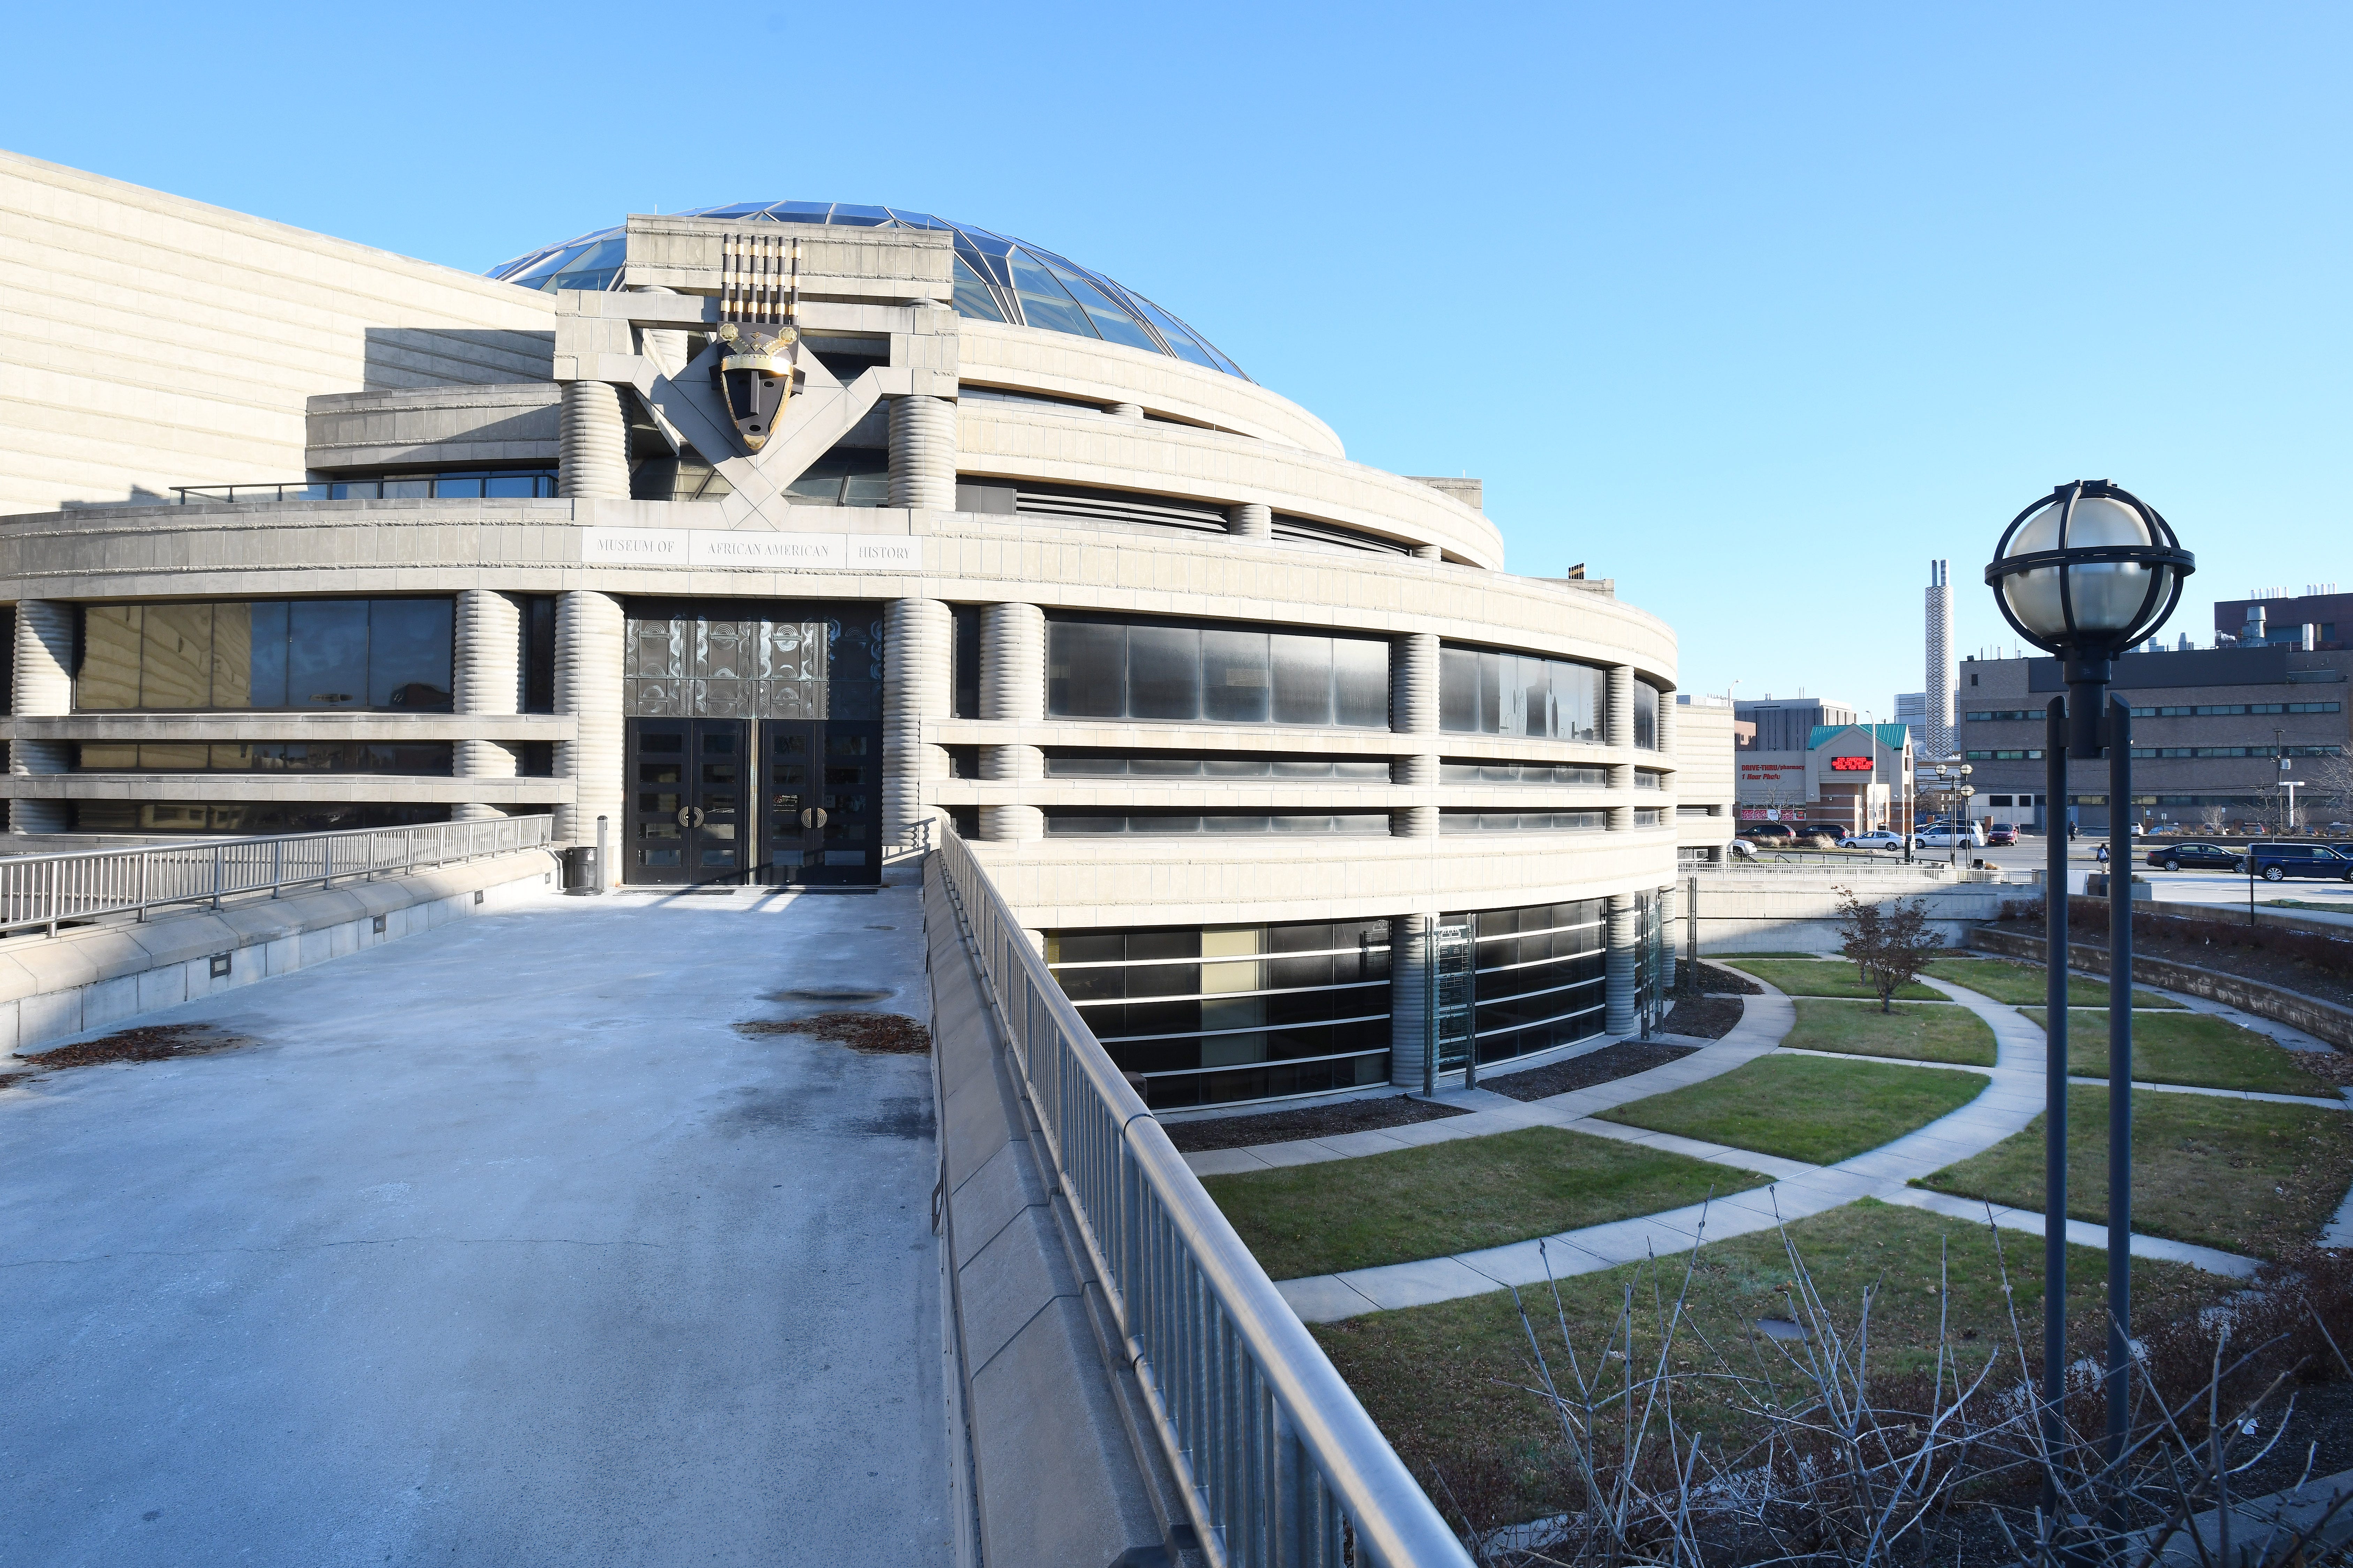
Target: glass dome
x=997, y=279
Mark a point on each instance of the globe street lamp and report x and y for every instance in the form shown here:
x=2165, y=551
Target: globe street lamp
x=2085, y=573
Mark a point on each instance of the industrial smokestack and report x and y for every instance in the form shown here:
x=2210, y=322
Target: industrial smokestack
x=1942, y=681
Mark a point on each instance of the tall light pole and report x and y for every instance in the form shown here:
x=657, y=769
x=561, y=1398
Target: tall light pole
x=2084, y=573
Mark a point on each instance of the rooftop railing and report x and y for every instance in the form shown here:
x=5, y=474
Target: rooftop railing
x=519, y=485
x=1280, y=1465
x=50, y=890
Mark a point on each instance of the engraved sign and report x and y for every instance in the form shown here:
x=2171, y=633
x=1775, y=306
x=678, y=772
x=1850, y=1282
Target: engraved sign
x=633, y=546
x=771, y=552
x=750, y=550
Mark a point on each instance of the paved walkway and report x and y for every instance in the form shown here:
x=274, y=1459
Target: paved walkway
x=500, y=1245
x=2013, y=1098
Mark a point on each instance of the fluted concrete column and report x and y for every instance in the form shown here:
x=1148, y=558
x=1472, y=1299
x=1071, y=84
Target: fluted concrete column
x=593, y=444
x=1621, y=1016
x=1666, y=733
x=43, y=672
x=1671, y=900
x=1618, y=732
x=486, y=678
x=1012, y=690
x=1126, y=411
x=1409, y=1042
x=666, y=347
x=919, y=641
x=1413, y=710
x=1249, y=520
x=1427, y=552
x=922, y=453
x=588, y=638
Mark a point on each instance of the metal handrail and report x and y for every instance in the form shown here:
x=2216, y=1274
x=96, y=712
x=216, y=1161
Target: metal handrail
x=46, y=890
x=1280, y=1465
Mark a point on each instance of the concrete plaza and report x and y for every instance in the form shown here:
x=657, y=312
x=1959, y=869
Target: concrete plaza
x=498, y=1245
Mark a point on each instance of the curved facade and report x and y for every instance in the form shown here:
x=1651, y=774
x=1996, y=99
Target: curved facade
x=1296, y=785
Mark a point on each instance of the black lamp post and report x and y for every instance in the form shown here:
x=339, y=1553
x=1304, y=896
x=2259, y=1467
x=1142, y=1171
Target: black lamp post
x=2085, y=573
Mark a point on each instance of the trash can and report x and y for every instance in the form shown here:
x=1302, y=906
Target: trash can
x=580, y=875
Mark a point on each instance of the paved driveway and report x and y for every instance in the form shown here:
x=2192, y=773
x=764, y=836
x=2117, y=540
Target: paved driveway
x=499, y=1246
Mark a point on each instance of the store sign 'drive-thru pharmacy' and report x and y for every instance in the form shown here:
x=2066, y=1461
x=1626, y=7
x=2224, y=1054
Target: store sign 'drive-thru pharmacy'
x=752, y=549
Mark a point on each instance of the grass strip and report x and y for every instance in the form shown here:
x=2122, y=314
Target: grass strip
x=2195, y=1048
x=2022, y=985
x=1812, y=976
x=1804, y=1108
x=2246, y=1176
x=1913, y=1033
x=1448, y=1383
x=1456, y=1196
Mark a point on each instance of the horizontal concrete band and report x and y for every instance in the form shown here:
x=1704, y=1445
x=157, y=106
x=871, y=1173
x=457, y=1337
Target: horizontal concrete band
x=534, y=546
x=52, y=988
x=286, y=725
x=377, y=787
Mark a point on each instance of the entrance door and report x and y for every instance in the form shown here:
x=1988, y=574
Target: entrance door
x=822, y=790
x=686, y=821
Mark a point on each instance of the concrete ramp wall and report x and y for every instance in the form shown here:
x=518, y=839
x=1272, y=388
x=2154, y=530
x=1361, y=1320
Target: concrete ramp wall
x=1767, y=909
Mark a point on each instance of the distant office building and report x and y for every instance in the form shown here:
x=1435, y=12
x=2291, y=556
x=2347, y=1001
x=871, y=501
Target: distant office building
x=1783, y=724
x=1912, y=713
x=2210, y=730
x=1937, y=722
x=2320, y=618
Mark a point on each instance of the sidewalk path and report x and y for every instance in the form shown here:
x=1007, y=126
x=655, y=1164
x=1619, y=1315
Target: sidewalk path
x=2012, y=1100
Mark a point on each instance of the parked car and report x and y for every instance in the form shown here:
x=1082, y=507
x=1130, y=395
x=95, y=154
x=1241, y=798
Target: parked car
x=2197, y=856
x=2278, y=862
x=1739, y=849
x=1834, y=832
x=1768, y=832
x=1879, y=839
x=1946, y=835
x=2001, y=833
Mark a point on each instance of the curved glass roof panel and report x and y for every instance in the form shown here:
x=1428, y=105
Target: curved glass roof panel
x=997, y=279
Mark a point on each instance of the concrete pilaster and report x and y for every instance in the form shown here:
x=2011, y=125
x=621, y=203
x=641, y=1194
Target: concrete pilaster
x=919, y=641
x=922, y=453
x=1250, y=520
x=1413, y=710
x=1618, y=732
x=588, y=640
x=1126, y=411
x=486, y=678
x=593, y=443
x=1427, y=552
x=43, y=672
x=1408, y=998
x=1012, y=688
x=1621, y=1017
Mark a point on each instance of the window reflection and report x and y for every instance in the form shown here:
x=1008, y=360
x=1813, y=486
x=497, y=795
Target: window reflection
x=1185, y=672
x=236, y=654
x=1488, y=692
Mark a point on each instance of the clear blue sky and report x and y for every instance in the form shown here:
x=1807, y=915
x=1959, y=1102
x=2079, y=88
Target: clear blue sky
x=1752, y=308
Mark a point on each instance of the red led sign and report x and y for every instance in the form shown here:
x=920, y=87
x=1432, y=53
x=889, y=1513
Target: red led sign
x=1850, y=764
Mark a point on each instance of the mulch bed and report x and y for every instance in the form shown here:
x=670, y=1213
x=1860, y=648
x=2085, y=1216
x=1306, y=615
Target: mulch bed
x=1715, y=982
x=1611, y=1062
x=2248, y=964
x=152, y=1043
x=874, y=1034
x=1704, y=1017
x=1315, y=1121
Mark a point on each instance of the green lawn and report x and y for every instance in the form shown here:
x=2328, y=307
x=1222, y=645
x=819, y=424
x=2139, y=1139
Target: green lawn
x=2022, y=985
x=2185, y=1048
x=2246, y=1176
x=1454, y=1197
x=1814, y=976
x=1804, y=1108
x=1449, y=1382
x=1914, y=1033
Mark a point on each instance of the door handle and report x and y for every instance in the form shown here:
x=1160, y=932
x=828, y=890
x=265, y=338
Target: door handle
x=690, y=816
x=814, y=817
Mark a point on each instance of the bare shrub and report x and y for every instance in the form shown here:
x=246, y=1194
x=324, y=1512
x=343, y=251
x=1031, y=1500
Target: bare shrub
x=1889, y=943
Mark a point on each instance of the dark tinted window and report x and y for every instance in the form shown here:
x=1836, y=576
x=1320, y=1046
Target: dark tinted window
x=1222, y=675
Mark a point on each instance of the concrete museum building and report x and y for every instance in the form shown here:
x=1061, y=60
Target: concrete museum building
x=769, y=535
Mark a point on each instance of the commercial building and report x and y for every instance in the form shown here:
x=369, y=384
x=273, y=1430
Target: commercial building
x=2320, y=618
x=762, y=538
x=1787, y=724
x=2211, y=729
x=1856, y=775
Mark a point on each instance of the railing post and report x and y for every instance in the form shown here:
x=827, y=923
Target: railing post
x=217, y=849
x=146, y=859
x=277, y=865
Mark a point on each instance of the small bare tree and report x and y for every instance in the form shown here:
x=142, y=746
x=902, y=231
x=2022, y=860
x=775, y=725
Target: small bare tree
x=2332, y=781
x=2213, y=817
x=1889, y=943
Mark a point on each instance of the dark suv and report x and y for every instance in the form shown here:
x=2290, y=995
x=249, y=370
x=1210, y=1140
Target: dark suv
x=2277, y=863
x=1763, y=833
